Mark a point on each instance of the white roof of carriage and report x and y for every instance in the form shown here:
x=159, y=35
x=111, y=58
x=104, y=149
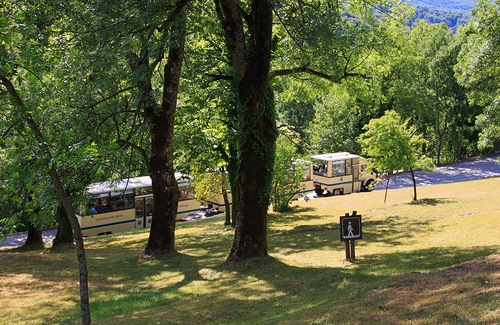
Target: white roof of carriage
x=335, y=156
x=126, y=184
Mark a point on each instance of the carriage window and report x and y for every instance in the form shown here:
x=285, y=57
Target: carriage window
x=320, y=167
x=348, y=169
x=122, y=200
x=107, y=202
x=338, y=168
x=99, y=203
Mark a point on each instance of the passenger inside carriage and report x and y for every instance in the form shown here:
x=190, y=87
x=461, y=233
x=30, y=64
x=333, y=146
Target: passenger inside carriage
x=93, y=209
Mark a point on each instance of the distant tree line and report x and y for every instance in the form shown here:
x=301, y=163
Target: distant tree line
x=464, y=5
x=452, y=18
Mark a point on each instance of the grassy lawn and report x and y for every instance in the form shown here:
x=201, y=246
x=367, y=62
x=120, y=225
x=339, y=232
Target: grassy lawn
x=436, y=261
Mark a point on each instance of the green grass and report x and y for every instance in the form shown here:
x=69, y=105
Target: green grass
x=435, y=261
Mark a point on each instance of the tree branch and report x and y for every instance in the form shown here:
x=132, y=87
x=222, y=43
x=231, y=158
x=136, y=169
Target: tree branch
x=319, y=74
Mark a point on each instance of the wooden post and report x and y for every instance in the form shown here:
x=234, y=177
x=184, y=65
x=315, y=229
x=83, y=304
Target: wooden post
x=347, y=251
x=350, y=230
x=353, y=255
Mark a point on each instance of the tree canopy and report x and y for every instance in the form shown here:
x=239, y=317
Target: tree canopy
x=121, y=89
x=390, y=144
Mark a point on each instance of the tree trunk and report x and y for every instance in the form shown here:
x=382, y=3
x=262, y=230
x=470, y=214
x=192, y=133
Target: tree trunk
x=34, y=235
x=256, y=123
x=64, y=232
x=387, y=186
x=227, y=207
x=232, y=169
x=80, y=248
x=165, y=191
x=414, y=184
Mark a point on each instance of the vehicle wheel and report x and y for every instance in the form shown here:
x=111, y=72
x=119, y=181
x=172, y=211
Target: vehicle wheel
x=368, y=186
x=336, y=192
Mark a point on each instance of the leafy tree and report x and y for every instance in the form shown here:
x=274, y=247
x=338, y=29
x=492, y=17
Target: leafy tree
x=336, y=122
x=211, y=185
x=443, y=118
x=134, y=54
x=391, y=145
x=25, y=116
x=250, y=50
x=478, y=68
x=309, y=42
x=165, y=190
x=419, y=83
x=297, y=116
x=288, y=173
x=35, y=49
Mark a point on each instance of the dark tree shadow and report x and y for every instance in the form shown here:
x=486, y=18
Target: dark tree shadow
x=432, y=201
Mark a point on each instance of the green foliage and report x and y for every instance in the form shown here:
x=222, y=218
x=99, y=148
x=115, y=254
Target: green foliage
x=56, y=81
x=419, y=83
x=71, y=63
x=390, y=144
x=335, y=126
x=478, y=68
x=210, y=185
x=452, y=18
x=288, y=173
x=298, y=117
x=445, y=4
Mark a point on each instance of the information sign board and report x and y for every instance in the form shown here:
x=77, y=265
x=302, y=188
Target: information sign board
x=350, y=227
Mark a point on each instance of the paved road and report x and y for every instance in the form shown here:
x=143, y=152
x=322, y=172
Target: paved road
x=20, y=238
x=458, y=172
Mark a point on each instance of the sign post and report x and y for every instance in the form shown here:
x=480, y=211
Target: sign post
x=350, y=230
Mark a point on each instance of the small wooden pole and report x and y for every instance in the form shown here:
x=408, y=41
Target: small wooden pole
x=347, y=250
x=353, y=255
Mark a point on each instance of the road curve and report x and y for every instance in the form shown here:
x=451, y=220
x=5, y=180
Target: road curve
x=457, y=172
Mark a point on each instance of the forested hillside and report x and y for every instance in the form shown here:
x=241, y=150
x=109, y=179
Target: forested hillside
x=452, y=13
x=445, y=4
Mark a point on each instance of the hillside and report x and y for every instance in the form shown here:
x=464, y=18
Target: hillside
x=452, y=13
x=435, y=261
x=463, y=5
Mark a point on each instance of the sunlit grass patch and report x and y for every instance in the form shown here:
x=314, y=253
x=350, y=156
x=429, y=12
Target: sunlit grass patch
x=430, y=262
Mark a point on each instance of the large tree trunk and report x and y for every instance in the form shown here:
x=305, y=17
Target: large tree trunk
x=256, y=123
x=64, y=233
x=34, y=235
x=165, y=190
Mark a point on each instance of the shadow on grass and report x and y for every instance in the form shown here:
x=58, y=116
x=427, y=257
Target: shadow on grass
x=432, y=201
x=26, y=248
x=139, y=284
x=393, y=231
x=199, y=289
x=304, y=293
x=295, y=214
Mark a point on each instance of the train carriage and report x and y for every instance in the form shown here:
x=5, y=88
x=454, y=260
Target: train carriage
x=128, y=204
